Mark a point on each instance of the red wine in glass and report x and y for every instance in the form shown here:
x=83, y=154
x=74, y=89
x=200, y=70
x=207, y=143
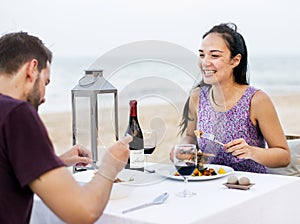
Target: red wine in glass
x=185, y=168
x=185, y=162
x=149, y=145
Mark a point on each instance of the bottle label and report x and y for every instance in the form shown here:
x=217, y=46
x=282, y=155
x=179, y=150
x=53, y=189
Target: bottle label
x=137, y=158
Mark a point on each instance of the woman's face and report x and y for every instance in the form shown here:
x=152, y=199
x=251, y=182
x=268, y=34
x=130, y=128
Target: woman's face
x=215, y=60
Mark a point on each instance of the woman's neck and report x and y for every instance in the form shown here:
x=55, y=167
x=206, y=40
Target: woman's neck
x=225, y=97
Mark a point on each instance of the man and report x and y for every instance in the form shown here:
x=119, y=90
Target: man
x=28, y=163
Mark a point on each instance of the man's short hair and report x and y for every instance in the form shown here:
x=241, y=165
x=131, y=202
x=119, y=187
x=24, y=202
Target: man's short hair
x=18, y=48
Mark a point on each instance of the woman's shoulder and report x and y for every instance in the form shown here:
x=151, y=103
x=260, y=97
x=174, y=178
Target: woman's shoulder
x=195, y=92
x=261, y=102
x=260, y=96
x=194, y=96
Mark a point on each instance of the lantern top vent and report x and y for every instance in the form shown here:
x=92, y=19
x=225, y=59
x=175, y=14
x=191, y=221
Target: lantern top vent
x=93, y=80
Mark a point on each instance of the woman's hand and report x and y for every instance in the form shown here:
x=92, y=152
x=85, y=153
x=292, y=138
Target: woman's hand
x=239, y=148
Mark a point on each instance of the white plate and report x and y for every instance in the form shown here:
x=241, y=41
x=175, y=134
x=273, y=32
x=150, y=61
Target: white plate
x=128, y=177
x=83, y=177
x=118, y=191
x=169, y=171
x=138, y=178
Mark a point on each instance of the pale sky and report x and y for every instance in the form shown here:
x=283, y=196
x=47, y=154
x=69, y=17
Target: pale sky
x=93, y=27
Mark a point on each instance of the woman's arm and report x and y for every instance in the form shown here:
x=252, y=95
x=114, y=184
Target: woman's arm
x=192, y=122
x=264, y=117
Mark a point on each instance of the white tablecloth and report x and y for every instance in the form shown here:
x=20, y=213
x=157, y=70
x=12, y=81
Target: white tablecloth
x=273, y=199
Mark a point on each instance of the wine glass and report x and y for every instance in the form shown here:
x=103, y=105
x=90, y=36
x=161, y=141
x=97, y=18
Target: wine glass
x=185, y=161
x=150, y=140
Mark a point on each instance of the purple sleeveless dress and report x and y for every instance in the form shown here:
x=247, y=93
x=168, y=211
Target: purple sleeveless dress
x=227, y=126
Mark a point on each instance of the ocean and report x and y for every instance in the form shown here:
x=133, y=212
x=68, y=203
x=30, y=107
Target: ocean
x=153, y=82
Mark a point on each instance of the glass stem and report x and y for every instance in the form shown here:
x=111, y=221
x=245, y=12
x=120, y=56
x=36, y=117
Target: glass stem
x=146, y=160
x=185, y=190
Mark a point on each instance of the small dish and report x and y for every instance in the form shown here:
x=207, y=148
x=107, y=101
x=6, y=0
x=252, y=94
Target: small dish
x=239, y=186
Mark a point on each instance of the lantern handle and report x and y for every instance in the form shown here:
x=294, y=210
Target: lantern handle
x=87, y=80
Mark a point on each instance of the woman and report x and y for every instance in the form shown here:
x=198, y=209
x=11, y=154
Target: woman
x=224, y=104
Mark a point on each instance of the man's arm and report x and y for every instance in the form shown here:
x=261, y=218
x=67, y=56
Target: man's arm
x=82, y=204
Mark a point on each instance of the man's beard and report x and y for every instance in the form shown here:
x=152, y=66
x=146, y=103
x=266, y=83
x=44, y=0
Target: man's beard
x=34, y=97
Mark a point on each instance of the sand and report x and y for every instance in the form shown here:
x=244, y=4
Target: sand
x=164, y=118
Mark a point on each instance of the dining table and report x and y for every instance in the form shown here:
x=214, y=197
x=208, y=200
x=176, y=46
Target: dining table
x=269, y=199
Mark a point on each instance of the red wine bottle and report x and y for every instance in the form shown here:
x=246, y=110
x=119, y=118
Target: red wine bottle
x=136, y=146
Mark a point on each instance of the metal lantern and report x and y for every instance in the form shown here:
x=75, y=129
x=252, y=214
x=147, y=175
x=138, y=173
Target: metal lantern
x=86, y=97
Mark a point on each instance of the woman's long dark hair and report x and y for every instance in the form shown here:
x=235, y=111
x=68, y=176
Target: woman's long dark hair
x=236, y=44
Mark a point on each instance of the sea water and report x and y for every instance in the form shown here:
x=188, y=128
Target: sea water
x=154, y=82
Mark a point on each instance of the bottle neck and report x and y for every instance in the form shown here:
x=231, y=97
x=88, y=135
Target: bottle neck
x=133, y=108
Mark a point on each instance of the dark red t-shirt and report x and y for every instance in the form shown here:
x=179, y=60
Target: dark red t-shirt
x=26, y=152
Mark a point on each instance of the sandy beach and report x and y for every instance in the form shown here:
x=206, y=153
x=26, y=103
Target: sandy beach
x=165, y=119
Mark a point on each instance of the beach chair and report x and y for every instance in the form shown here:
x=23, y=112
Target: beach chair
x=293, y=169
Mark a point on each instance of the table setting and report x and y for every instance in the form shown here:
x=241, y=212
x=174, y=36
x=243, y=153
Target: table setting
x=190, y=190
x=268, y=200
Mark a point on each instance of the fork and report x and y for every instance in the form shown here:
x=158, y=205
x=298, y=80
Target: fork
x=211, y=137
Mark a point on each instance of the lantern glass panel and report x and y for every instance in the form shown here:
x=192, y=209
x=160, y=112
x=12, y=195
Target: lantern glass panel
x=83, y=121
x=106, y=119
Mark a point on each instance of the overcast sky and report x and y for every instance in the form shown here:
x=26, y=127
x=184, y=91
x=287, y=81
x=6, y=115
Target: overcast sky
x=93, y=27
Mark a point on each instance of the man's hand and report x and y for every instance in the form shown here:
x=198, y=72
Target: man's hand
x=77, y=155
x=115, y=158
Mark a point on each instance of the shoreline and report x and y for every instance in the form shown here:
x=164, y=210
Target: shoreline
x=164, y=118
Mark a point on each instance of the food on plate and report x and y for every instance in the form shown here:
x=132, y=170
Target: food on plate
x=205, y=172
x=221, y=171
x=198, y=133
x=202, y=158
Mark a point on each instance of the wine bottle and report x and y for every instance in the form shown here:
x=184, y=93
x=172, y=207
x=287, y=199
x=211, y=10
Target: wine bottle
x=136, y=146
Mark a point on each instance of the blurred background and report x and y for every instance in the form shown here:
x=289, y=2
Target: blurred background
x=80, y=32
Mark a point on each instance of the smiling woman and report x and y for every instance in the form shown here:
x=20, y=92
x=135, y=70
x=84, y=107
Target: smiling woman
x=224, y=101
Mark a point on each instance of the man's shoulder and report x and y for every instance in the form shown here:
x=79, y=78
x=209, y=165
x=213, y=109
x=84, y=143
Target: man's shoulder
x=9, y=104
x=9, y=100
